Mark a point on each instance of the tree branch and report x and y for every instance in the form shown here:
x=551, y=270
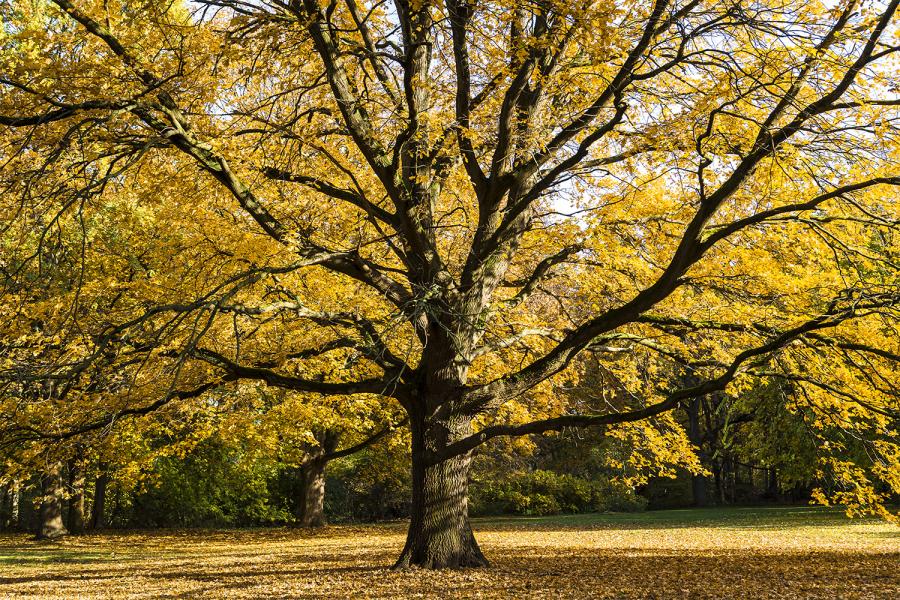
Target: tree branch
x=385, y=387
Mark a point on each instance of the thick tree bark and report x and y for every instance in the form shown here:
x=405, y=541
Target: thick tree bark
x=76, y=497
x=98, y=509
x=51, y=523
x=311, y=504
x=440, y=535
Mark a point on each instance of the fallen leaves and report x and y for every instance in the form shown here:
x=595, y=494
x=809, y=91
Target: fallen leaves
x=771, y=553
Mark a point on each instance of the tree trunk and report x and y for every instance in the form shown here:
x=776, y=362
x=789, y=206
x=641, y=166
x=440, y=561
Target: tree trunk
x=440, y=535
x=51, y=522
x=5, y=506
x=98, y=509
x=699, y=483
x=720, y=486
x=311, y=505
x=76, y=497
x=730, y=478
x=14, y=511
x=772, y=483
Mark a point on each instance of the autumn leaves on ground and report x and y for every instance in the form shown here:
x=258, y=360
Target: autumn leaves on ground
x=736, y=553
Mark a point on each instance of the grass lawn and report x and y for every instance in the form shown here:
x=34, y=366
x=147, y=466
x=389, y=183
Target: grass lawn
x=714, y=553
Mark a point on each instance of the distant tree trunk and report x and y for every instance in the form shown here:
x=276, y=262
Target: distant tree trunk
x=717, y=481
x=310, y=511
x=730, y=478
x=699, y=483
x=699, y=490
x=772, y=483
x=116, y=505
x=440, y=535
x=98, y=509
x=51, y=523
x=311, y=504
x=5, y=506
x=76, y=496
x=14, y=511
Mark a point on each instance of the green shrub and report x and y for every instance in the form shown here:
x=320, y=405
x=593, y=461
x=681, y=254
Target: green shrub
x=216, y=484
x=546, y=492
x=373, y=485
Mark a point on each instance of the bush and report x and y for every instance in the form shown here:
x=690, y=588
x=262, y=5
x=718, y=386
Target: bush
x=373, y=485
x=214, y=485
x=546, y=493
x=616, y=497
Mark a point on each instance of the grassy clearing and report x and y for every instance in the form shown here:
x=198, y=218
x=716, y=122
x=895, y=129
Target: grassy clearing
x=731, y=553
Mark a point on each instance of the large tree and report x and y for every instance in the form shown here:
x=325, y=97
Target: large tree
x=446, y=205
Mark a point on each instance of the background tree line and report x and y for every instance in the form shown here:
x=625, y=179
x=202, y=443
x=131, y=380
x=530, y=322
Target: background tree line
x=222, y=479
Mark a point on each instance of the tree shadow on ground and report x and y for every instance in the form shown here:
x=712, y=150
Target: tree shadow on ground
x=517, y=572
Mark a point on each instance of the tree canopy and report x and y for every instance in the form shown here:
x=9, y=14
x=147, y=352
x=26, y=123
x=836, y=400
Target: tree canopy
x=455, y=209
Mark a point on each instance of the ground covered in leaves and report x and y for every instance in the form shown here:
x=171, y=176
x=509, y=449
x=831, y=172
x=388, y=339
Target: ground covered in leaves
x=735, y=553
